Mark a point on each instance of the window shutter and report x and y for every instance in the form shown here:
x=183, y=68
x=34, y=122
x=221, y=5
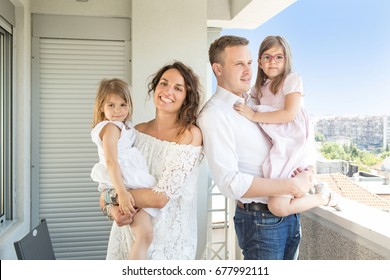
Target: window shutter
x=69, y=73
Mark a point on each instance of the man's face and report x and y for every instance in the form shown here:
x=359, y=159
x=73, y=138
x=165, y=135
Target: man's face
x=235, y=73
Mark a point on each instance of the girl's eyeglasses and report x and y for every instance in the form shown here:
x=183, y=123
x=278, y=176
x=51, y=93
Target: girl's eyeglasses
x=267, y=58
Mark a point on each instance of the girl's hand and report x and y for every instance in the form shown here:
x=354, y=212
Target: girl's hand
x=126, y=203
x=244, y=110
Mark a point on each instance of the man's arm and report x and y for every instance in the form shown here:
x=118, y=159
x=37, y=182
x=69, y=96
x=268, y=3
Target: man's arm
x=297, y=186
x=220, y=148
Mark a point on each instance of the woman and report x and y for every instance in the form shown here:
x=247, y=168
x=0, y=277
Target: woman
x=172, y=147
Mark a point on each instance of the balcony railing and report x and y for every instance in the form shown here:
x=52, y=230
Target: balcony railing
x=358, y=232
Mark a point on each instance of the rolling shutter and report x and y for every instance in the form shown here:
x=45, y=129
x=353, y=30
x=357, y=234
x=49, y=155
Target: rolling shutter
x=69, y=73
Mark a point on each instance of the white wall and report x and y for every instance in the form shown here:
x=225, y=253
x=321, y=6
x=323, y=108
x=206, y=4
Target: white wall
x=161, y=33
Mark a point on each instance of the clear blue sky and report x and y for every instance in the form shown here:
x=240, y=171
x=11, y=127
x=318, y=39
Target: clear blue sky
x=341, y=48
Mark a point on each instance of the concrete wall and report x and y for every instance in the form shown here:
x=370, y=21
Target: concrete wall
x=322, y=243
x=358, y=232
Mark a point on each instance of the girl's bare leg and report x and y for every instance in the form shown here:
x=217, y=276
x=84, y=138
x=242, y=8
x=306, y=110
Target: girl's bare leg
x=142, y=228
x=283, y=206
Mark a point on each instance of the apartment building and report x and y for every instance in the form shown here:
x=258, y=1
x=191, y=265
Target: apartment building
x=366, y=132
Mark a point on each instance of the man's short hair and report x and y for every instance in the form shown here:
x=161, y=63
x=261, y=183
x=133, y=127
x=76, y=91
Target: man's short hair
x=219, y=45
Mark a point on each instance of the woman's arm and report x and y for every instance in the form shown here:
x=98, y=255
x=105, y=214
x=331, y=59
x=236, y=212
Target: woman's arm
x=287, y=114
x=147, y=198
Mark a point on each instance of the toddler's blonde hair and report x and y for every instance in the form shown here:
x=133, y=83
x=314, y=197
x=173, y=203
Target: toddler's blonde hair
x=109, y=87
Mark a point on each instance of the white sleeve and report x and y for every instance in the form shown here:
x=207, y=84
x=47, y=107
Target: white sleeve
x=220, y=149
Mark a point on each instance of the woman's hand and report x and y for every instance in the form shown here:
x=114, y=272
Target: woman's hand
x=120, y=218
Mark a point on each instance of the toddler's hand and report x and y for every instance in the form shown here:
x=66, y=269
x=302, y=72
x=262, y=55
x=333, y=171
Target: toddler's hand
x=126, y=203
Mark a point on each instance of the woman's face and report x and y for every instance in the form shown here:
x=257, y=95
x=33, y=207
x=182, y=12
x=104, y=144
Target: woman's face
x=170, y=91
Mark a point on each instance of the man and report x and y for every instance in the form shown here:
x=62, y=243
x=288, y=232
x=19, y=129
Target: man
x=236, y=149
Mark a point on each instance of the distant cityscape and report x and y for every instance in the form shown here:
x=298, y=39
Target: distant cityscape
x=365, y=132
x=370, y=133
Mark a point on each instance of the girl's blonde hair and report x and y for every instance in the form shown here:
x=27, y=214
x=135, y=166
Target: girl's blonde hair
x=268, y=43
x=109, y=87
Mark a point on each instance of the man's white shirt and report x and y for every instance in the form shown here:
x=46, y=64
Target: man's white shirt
x=235, y=146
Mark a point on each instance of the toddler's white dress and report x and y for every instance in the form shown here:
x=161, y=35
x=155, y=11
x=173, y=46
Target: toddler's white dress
x=176, y=168
x=133, y=166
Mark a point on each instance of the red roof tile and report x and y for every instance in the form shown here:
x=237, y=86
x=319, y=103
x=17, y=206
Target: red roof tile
x=350, y=189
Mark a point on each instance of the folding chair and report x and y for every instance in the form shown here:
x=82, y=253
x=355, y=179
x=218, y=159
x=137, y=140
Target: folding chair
x=36, y=245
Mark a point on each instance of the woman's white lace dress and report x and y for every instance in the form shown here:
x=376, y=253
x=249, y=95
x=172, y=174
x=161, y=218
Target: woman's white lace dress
x=175, y=166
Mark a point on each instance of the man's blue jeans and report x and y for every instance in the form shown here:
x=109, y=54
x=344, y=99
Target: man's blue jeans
x=264, y=236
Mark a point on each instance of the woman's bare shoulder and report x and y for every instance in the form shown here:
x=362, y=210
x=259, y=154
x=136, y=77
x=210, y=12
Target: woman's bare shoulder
x=196, y=134
x=142, y=127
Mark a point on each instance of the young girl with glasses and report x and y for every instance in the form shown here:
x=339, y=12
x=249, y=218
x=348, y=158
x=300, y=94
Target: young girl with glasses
x=282, y=116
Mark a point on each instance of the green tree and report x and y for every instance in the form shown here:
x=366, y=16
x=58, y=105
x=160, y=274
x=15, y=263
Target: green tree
x=385, y=154
x=362, y=158
x=331, y=150
x=319, y=137
x=368, y=158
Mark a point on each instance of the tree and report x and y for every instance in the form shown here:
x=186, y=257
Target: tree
x=362, y=158
x=319, y=137
x=385, y=154
x=332, y=150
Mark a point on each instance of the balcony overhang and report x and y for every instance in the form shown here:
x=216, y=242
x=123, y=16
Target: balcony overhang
x=243, y=14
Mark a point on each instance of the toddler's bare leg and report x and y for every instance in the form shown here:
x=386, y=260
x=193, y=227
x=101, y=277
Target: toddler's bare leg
x=142, y=228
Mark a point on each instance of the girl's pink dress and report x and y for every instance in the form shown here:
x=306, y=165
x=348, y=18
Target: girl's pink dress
x=293, y=142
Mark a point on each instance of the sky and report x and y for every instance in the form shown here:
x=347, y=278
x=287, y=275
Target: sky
x=341, y=49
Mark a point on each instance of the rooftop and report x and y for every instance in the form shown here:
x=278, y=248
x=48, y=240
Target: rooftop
x=348, y=188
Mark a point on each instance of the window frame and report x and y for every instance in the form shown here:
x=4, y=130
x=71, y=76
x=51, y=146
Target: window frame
x=6, y=121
